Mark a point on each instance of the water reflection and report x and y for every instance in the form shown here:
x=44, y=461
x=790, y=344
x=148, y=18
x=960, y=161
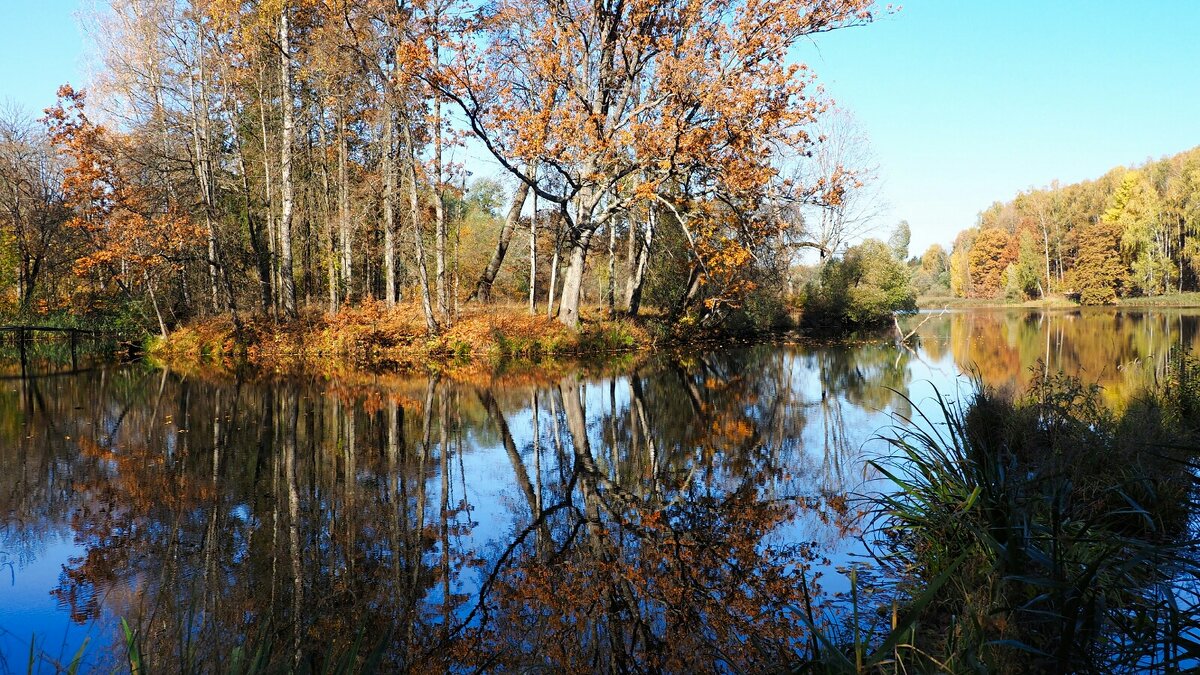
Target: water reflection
x=678, y=514
x=1122, y=350
x=661, y=519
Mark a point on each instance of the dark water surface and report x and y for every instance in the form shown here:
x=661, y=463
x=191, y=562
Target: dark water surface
x=677, y=512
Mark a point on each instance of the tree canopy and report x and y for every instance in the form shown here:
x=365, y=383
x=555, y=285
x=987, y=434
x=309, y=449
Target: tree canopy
x=275, y=157
x=1130, y=232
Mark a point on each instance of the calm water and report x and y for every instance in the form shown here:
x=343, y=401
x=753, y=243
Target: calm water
x=677, y=512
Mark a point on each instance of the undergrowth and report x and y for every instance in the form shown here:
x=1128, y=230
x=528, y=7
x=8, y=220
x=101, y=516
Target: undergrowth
x=372, y=336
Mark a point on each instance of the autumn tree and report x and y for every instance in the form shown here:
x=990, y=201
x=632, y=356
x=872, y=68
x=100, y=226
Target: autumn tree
x=1044, y=210
x=650, y=100
x=1181, y=210
x=988, y=257
x=314, y=144
x=1152, y=208
x=1099, y=275
x=1134, y=208
x=134, y=235
x=960, y=267
x=933, y=272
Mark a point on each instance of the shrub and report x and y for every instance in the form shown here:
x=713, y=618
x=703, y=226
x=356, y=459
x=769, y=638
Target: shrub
x=863, y=289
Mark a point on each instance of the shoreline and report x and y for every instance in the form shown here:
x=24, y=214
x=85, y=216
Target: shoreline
x=374, y=340
x=494, y=340
x=1189, y=300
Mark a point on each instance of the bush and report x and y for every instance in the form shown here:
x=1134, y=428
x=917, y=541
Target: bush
x=861, y=290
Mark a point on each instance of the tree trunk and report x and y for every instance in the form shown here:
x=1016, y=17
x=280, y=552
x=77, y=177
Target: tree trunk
x=1046, y=250
x=637, y=271
x=202, y=166
x=389, y=198
x=414, y=209
x=28, y=281
x=262, y=262
x=553, y=279
x=483, y=287
x=162, y=325
x=611, y=290
x=271, y=263
x=287, y=289
x=568, y=305
x=328, y=245
x=689, y=293
x=439, y=210
x=533, y=257
x=344, y=234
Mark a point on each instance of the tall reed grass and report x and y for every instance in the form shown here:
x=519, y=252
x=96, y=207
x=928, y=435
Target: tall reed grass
x=1042, y=533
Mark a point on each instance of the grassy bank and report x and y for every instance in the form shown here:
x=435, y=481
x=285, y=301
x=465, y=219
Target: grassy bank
x=1172, y=300
x=372, y=337
x=939, y=302
x=1040, y=534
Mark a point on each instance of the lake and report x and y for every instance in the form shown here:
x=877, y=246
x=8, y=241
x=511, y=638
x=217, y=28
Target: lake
x=678, y=511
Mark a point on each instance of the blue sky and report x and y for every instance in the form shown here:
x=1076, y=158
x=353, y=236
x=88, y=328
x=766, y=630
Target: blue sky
x=968, y=102
x=41, y=47
x=965, y=102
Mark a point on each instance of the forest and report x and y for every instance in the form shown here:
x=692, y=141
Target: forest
x=283, y=159
x=1131, y=232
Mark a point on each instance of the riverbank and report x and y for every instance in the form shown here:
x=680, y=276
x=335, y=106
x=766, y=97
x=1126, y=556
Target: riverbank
x=372, y=337
x=1173, y=300
x=1191, y=299
x=941, y=302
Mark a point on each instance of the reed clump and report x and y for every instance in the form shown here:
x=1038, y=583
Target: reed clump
x=1040, y=533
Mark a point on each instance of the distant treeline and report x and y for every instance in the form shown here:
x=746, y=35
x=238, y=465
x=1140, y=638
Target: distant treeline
x=1131, y=232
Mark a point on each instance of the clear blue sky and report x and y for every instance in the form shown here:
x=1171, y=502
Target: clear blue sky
x=966, y=102
x=41, y=47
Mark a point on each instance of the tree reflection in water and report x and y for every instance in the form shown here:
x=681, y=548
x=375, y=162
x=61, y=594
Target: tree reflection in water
x=1121, y=350
x=664, y=519
x=661, y=571
x=674, y=516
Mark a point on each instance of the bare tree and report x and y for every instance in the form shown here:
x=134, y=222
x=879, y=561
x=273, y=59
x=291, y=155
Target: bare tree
x=32, y=212
x=828, y=225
